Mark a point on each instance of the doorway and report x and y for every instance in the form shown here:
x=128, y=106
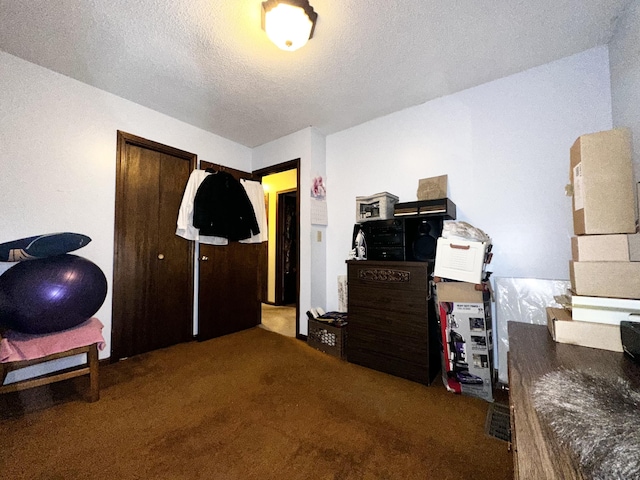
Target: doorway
x=280, y=307
x=286, y=248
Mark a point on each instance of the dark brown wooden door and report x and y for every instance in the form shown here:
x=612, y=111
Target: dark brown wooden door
x=286, y=249
x=231, y=282
x=153, y=267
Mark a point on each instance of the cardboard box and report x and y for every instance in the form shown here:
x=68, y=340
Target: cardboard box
x=604, y=310
x=564, y=329
x=601, y=175
x=460, y=260
x=432, y=188
x=467, y=338
x=450, y=292
x=605, y=279
x=606, y=248
x=379, y=206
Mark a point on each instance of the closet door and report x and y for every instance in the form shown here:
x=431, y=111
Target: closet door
x=153, y=267
x=230, y=283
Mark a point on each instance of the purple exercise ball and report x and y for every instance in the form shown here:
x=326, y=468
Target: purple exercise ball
x=50, y=294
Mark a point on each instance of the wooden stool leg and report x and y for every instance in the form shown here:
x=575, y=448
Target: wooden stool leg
x=92, y=359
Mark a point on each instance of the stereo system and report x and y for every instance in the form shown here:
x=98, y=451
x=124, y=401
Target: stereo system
x=411, y=235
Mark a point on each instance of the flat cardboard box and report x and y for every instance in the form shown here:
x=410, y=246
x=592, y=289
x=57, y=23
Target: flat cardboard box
x=467, y=335
x=460, y=260
x=601, y=174
x=604, y=310
x=463, y=292
x=564, y=329
x=605, y=279
x=606, y=248
x=432, y=188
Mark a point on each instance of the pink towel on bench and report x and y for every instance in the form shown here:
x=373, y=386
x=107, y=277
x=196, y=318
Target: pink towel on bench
x=16, y=346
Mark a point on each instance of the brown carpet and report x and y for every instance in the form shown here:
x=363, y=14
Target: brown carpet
x=252, y=405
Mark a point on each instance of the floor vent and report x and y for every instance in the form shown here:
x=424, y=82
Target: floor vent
x=498, y=424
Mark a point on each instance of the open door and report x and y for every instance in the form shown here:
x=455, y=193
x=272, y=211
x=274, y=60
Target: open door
x=286, y=248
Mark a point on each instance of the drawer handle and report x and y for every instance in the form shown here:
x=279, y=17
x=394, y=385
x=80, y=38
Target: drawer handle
x=460, y=247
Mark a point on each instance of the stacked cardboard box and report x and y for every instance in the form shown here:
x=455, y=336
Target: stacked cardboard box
x=605, y=265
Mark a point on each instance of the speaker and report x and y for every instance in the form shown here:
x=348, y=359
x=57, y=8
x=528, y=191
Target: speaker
x=630, y=336
x=421, y=235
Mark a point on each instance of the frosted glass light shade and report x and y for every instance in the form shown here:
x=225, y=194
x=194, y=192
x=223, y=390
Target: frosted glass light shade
x=288, y=26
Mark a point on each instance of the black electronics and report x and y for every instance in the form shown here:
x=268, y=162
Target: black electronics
x=401, y=239
x=442, y=207
x=630, y=336
x=385, y=239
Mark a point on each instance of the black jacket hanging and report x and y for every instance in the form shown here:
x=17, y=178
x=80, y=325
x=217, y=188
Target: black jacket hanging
x=222, y=208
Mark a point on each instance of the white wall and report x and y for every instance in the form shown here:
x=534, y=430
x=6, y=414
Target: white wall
x=58, y=158
x=505, y=147
x=318, y=232
x=308, y=146
x=624, y=53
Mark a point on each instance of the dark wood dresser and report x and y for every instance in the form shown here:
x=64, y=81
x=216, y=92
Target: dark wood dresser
x=532, y=353
x=392, y=322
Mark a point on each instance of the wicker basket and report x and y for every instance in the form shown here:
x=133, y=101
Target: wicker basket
x=327, y=338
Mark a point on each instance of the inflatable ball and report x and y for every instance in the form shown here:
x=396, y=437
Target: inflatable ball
x=50, y=294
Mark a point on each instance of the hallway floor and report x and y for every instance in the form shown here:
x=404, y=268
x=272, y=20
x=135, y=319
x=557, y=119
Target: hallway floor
x=279, y=319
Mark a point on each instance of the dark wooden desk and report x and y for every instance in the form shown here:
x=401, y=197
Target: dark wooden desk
x=532, y=353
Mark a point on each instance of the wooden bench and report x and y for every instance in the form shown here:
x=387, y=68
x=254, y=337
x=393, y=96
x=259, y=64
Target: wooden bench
x=90, y=367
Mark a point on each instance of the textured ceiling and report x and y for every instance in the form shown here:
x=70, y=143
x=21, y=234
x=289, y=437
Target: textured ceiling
x=208, y=62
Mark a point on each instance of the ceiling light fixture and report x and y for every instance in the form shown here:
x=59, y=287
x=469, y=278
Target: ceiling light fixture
x=288, y=23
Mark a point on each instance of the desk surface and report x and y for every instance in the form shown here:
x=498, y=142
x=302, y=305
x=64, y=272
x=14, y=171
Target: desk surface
x=532, y=353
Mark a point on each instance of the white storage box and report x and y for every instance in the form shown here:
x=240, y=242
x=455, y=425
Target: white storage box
x=460, y=260
x=604, y=310
x=379, y=206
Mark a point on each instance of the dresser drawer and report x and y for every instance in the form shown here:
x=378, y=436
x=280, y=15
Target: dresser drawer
x=382, y=362
x=415, y=351
x=383, y=322
x=383, y=299
x=410, y=276
x=415, y=335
